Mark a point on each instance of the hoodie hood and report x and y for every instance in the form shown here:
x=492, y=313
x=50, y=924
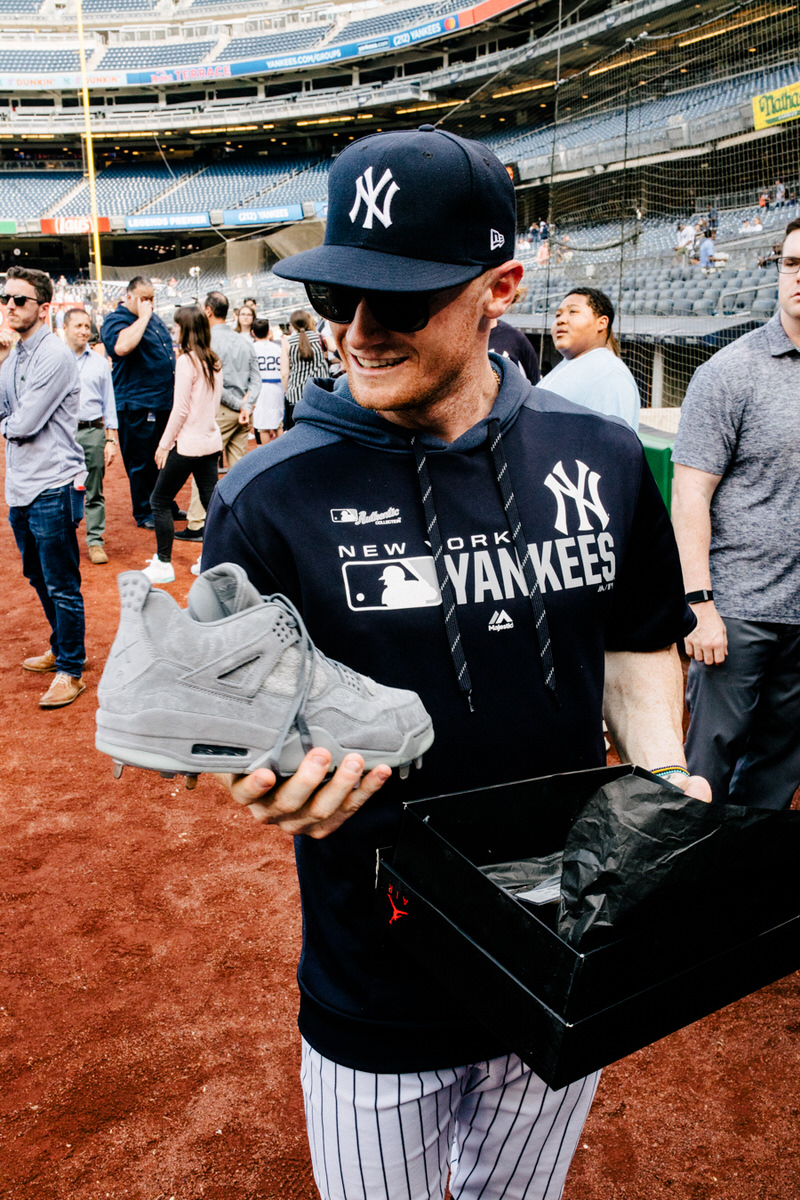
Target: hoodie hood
x=328, y=405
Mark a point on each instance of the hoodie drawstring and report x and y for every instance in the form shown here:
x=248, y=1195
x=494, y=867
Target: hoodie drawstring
x=523, y=555
x=442, y=577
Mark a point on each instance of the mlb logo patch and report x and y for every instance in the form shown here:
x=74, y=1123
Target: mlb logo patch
x=377, y=584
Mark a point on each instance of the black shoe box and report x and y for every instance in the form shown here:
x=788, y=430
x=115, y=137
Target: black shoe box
x=565, y=1012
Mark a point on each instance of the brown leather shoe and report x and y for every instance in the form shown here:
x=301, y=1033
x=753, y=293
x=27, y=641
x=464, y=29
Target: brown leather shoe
x=40, y=662
x=63, y=690
x=97, y=555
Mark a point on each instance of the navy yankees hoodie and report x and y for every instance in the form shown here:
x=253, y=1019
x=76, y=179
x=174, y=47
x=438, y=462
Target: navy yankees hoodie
x=542, y=529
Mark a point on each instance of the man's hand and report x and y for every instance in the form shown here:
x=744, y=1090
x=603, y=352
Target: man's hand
x=161, y=458
x=144, y=310
x=244, y=416
x=109, y=451
x=697, y=787
x=708, y=641
x=7, y=341
x=306, y=803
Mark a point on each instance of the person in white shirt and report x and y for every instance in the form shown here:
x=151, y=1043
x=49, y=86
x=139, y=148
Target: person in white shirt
x=268, y=412
x=591, y=372
x=686, y=236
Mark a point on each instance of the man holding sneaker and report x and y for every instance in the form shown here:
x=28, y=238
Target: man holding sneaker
x=535, y=585
x=45, y=473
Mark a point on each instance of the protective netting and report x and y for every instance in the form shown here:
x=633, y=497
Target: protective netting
x=677, y=124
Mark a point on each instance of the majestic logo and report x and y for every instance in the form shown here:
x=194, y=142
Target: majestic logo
x=562, y=486
x=356, y=516
x=369, y=193
x=496, y=240
x=500, y=621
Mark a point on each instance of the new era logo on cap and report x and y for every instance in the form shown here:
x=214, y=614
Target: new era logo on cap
x=496, y=240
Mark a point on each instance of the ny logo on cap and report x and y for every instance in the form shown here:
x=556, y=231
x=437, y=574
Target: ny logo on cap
x=366, y=191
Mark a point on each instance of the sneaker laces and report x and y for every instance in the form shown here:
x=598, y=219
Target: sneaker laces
x=309, y=653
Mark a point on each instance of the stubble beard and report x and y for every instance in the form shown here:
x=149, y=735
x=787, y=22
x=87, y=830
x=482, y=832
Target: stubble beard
x=416, y=407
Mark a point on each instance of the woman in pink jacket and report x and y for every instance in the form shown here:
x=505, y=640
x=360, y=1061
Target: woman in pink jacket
x=191, y=442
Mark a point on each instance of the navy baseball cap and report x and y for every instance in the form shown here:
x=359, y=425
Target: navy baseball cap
x=411, y=211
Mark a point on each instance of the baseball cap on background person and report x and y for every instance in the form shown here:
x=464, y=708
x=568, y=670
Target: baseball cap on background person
x=411, y=211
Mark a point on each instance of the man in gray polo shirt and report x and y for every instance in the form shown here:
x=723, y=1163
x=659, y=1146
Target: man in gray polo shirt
x=736, y=509
x=241, y=385
x=45, y=473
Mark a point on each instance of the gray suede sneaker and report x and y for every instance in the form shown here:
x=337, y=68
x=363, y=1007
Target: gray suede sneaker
x=234, y=682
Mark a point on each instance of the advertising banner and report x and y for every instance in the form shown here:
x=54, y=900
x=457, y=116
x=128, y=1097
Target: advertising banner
x=262, y=216
x=144, y=224
x=65, y=225
x=773, y=108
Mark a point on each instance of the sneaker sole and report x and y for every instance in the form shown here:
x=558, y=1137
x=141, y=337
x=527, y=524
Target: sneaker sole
x=192, y=758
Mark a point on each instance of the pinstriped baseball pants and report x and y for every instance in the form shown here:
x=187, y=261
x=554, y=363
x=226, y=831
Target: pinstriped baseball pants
x=498, y=1129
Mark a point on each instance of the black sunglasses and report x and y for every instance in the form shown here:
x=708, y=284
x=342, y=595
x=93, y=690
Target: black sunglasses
x=20, y=301
x=399, y=312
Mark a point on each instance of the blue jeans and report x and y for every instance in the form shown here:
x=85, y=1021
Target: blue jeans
x=46, y=535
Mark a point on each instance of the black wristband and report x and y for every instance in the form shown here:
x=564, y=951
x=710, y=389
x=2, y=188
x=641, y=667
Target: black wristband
x=699, y=597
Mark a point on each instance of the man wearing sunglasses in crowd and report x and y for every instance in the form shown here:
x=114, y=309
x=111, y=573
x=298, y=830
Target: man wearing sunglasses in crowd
x=447, y=527
x=736, y=509
x=45, y=473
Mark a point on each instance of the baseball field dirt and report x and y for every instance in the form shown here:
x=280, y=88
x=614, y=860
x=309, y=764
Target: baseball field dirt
x=148, y=996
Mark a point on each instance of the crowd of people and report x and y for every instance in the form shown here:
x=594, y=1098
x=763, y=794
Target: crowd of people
x=401, y=411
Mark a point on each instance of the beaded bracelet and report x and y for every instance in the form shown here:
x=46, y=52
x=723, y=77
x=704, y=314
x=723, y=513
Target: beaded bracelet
x=665, y=772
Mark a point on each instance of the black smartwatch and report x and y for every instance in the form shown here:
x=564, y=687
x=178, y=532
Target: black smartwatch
x=700, y=596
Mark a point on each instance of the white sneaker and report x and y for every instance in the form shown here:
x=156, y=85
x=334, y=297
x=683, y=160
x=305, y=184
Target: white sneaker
x=195, y=567
x=158, y=571
x=234, y=682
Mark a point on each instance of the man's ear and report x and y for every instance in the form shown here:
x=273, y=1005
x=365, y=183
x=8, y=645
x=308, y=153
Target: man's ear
x=502, y=284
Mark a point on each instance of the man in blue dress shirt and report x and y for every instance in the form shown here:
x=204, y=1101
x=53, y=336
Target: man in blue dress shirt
x=45, y=471
x=97, y=426
x=143, y=371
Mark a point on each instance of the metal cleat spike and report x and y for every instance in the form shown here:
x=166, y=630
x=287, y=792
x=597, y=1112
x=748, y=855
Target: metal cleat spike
x=404, y=771
x=418, y=763
x=167, y=774
x=116, y=768
x=191, y=782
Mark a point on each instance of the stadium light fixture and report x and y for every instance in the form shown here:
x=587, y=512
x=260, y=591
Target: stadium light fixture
x=704, y=37
x=623, y=61
x=326, y=120
x=221, y=129
x=539, y=86
x=401, y=112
